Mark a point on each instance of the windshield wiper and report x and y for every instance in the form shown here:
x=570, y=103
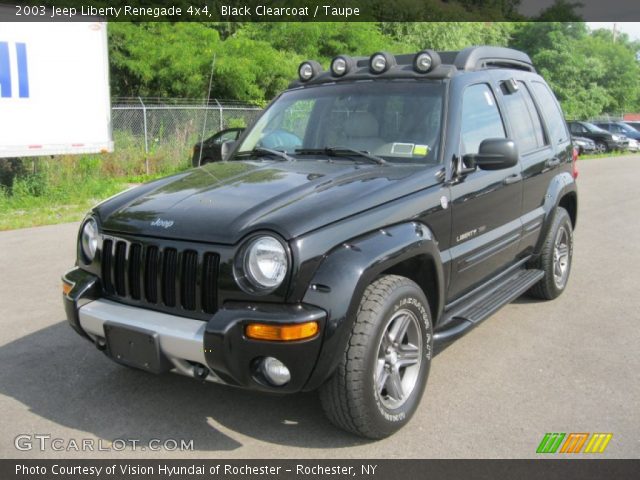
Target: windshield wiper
x=268, y=151
x=343, y=151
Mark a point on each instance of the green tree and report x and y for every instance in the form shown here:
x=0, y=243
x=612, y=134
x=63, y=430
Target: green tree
x=448, y=35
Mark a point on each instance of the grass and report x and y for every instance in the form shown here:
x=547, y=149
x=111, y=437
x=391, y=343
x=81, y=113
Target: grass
x=43, y=191
x=606, y=155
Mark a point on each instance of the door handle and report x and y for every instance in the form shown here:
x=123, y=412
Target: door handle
x=552, y=162
x=515, y=178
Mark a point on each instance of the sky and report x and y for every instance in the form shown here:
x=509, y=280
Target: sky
x=630, y=28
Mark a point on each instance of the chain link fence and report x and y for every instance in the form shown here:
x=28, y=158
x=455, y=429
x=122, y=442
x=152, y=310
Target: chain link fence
x=152, y=124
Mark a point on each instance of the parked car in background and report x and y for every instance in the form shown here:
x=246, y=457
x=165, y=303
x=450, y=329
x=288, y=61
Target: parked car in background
x=633, y=145
x=583, y=144
x=620, y=128
x=605, y=141
x=212, y=146
x=633, y=123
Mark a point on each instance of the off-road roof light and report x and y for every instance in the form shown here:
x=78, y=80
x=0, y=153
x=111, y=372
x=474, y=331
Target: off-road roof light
x=341, y=65
x=381, y=62
x=426, y=61
x=309, y=69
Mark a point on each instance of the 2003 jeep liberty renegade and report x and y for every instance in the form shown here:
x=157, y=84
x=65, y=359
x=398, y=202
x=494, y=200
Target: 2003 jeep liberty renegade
x=372, y=214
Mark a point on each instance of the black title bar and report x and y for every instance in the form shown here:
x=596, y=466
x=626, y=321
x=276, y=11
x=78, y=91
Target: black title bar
x=319, y=10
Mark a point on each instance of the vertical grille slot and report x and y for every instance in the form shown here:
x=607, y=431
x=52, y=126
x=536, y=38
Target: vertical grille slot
x=170, y=256
x=107, y=255
x=151, y=275
x=189, y=279
x=120, y=268
x=209, y=282
x=135, y=257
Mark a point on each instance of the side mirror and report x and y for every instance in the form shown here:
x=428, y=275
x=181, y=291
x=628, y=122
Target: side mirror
x=226, y=149
x=493, y=154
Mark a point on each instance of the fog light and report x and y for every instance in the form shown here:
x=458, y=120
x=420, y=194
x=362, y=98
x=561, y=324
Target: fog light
x=378, y=63
x=423, y=62
x=309, y=69
x=339, y=66
x=305, y=72
x=275, y=371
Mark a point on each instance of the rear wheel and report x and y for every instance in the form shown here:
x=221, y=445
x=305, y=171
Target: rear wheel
x=379, y=382
x=555, y=258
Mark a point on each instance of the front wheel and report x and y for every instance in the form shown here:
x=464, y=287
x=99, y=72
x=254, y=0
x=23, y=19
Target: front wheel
x=383, y=372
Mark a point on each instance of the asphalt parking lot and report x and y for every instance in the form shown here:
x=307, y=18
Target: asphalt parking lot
x=571, y=365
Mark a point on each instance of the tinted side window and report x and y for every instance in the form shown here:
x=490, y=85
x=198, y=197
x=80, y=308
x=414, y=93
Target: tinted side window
x=576, y=128
x=551, y=111
x=480, y=118
x=226, y=136
x=524, y=119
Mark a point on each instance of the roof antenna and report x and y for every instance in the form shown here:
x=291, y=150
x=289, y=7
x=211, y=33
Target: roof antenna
x=206, y=111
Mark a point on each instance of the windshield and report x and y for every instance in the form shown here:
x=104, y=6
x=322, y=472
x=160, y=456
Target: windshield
x=593, y=129
x=398, y=121
x=626, y=128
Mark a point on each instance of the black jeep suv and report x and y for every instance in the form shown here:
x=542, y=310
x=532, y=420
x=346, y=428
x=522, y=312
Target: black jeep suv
x=374, y=213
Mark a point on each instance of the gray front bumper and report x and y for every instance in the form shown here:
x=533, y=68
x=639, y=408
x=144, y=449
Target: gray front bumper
x=180, y=339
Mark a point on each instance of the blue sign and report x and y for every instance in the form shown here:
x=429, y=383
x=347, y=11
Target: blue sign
x=6, y=90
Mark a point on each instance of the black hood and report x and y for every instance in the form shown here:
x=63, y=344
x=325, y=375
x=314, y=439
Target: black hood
x=222, y=202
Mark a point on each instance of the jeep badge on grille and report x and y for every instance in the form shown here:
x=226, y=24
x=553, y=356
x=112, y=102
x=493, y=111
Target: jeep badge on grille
x=158, y=222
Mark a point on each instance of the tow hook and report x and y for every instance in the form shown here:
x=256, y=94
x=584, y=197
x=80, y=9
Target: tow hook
x=101, y=344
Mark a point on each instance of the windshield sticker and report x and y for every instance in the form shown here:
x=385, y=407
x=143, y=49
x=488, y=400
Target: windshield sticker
x=421, y=150
x=402, y=148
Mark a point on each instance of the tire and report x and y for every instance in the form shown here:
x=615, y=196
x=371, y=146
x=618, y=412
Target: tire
x=601, y=147
x=556, y=276
x=351, y=398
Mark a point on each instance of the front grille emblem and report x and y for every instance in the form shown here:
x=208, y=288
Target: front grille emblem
x=159, y=222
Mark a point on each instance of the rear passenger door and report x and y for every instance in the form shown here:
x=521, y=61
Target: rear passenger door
x=537, y=155
x=539, y=168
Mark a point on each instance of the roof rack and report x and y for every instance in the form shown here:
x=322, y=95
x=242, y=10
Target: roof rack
x=481, y=58
x=441, y=66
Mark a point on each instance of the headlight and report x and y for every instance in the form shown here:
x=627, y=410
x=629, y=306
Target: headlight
x=264, y=263
x=615, y=138
x=89, y=239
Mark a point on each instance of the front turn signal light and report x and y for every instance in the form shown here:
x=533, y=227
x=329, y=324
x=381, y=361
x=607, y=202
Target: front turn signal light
x=66, y=288
x=281, y=333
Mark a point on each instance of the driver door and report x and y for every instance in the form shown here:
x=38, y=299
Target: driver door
x=486, y=204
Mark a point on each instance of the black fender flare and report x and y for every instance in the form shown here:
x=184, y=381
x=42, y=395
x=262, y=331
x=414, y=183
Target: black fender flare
x=560, y=186
x=346, y=271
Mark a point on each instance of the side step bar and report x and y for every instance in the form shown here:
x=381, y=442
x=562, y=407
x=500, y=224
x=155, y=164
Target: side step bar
x=462, y=318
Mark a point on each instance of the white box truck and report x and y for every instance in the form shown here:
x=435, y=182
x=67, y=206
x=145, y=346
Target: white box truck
x=54, y=89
